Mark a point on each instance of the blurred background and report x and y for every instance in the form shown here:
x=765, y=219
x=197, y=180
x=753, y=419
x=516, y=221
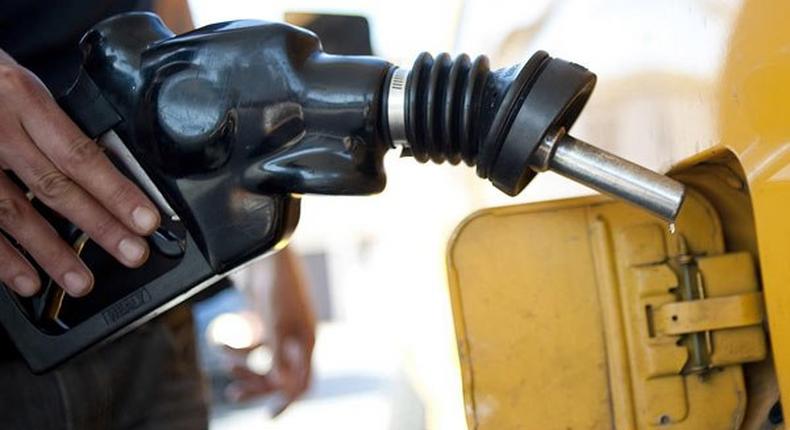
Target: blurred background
x=385, y=356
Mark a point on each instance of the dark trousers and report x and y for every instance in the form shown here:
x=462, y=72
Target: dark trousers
x=148, y=379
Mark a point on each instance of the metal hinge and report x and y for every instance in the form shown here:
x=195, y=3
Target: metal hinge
x=718, y=313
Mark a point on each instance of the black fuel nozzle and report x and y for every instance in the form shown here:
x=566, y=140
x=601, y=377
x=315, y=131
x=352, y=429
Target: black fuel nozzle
x=225, y=126
x=511, y=124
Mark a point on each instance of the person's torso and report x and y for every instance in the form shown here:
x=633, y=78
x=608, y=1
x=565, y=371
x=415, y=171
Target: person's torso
x=43, y=35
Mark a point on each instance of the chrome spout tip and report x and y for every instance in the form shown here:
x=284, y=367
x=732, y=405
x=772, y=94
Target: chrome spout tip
x=609, y=174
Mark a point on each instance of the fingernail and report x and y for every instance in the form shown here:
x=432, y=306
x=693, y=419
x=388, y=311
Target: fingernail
x=25, y=285
x=145, y=219
x=132, y=249
x=76, y=283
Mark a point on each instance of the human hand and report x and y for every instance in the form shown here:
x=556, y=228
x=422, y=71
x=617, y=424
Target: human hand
x=68, y=172
x=293, y=337
x=287, y=380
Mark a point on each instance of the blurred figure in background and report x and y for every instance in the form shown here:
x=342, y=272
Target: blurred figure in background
x=282, y=320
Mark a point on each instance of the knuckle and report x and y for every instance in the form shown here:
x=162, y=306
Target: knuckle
x=123, y=194
x=52, y=185
x=81, y=150
x=11, y=211
x=17, y=78
x=104, y=227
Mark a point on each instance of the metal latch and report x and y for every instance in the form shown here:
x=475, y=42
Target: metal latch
x=719, y=311
x=707, y=315
x=681, y=316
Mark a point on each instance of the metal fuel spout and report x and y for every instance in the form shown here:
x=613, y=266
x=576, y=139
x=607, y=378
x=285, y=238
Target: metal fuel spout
x=511, y=124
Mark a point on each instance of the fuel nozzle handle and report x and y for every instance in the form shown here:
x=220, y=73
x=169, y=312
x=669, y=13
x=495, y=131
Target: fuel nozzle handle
x=226, y=125
x=511, y=124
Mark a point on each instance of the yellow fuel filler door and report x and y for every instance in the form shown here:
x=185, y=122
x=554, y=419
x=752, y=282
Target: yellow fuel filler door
x=590, y=314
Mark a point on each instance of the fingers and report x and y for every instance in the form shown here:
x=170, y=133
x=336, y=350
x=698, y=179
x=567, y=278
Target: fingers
x=83, y=161
x=16, y=272
x=292, y=364
x=279, y=409
x=249, y=385
x=68, y=172
x=21, y=221
x=289, y=377
x=62, y=194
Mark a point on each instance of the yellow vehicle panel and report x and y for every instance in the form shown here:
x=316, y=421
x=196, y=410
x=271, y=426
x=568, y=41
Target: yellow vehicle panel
x=538, y=337
x=754, y=123
x=566, y=318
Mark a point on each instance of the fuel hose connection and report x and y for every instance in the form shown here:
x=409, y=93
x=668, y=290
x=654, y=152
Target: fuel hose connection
x=511, y=124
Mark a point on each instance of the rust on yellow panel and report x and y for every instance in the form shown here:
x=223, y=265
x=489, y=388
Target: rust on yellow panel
x=555, y=306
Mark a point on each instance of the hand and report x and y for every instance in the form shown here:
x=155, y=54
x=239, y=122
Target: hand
x=289, y=377
x=293, y=324
x=68, y=172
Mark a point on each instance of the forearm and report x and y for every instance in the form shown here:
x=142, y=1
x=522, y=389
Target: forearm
x=274, y=281
x=289, y=276
x=175, y=14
